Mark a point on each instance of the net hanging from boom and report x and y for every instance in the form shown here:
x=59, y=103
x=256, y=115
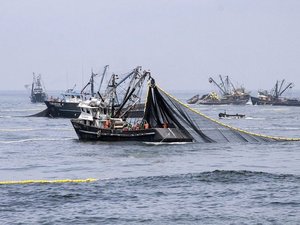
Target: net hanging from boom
x=162, y=109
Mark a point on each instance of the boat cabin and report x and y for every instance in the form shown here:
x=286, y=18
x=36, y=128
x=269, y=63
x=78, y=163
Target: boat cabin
x=71, y=97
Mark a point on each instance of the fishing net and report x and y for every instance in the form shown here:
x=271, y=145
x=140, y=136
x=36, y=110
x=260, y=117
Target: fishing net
x=164, y=110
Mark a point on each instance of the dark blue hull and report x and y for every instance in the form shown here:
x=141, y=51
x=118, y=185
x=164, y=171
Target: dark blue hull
x=63, y=109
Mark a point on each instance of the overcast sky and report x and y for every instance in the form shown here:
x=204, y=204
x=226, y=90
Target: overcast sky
x=182, y=42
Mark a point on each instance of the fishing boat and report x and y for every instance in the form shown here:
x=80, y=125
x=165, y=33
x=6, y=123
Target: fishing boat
x=229, y=94
x=38, y=93
x=274, y=97
x=67, y=105
x=103, y=120
x=287, y=102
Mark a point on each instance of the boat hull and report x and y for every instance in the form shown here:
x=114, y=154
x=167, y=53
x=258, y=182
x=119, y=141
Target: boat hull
x=38, y=97
x=91, y=133
x=193, y=100
x=258, y=101
x=287, y=102
x=63, y=109
x=71, y=110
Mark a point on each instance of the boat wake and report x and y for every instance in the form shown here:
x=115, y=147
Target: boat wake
x=33, y=129
x=36, y=139
x=254, y=118
x=6, y=117
x=21, y=110
x=167, y=143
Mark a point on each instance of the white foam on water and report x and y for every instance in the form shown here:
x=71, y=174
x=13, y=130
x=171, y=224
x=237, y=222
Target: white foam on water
x=167, y=143
x=31, y=129
x=21, y=110
x=36, y=139
x=254, y=118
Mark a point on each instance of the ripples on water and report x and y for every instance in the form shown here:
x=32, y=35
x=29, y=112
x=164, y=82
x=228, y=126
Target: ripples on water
x=217, y=197
x=147, y=183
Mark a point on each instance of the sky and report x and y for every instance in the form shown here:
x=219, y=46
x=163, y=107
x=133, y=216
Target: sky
x=182, y=42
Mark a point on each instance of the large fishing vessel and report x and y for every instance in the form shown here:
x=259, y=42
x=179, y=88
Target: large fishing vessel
x=229, y=94
x=104, y=120
x=274, y=97
x=67, y=105
x=38, y=93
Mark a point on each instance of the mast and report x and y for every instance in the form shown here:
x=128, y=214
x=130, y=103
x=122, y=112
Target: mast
x=113, y=94
x=102, y=78
x=276, y=90
x=92, y=83
x=233, y=87
x=134, y=77
x=126, y=77
x=223, y=83
x=32, y=86
x=290, y=85
x=109, y=90
x=211, y=80
x=132, y=88
x=282, y=82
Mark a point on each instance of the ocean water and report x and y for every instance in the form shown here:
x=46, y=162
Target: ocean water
x=138, y=183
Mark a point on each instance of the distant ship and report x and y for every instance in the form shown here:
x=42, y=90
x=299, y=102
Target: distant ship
x=38, y=93
x=67, y=106
x=229, y=94
x=274, y=97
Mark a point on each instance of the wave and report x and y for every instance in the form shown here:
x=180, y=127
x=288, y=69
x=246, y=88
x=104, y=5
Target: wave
x=241, y=176
x=217, y=176
x=36, y=139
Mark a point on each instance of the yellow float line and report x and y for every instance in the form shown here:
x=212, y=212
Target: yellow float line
x=228, y=126
x=48, y=181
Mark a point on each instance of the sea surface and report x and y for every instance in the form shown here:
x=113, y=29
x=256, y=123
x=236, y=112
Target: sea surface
x=139, y=183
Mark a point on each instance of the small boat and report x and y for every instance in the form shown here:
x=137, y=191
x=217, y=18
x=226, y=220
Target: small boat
x=38, y=93
x=236, y=116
